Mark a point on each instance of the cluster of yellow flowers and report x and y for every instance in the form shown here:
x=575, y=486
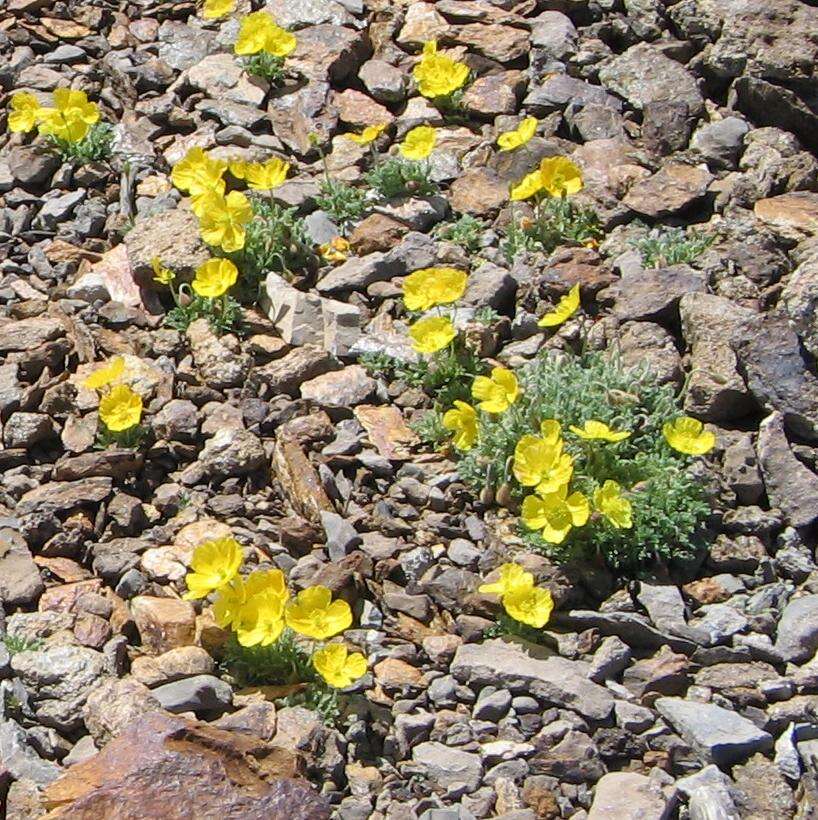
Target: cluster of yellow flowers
x=70, y=119
x=417, y=144
x=223, y=218
x=259, y=607
x=428, y=288
x=437, y=75
x=120, y=408
x=521, y=599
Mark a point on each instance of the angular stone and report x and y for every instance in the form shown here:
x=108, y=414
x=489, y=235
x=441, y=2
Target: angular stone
x=715, y=734
x=670, y=190
x=182, y=662
x=575, y=759
x=162, y=765
x=629, y=796
x=218, y=365
x=20, y=760
x=340, y=388
x=387, y=430
x=64, y=496
x=555, y=680
x=163, y=623
x=654, y=294
x=113, y=704
x=447, y=768
x=26, y=334
x=231, y=452
x=201, y=693
x=300, y=481
x=792, y=216
x=797, y=633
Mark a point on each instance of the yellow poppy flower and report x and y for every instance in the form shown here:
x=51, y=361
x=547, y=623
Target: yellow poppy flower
x=196, y=173
x=550, y=431
x=215, y=564
x=369, y=134
x=418, y=143
x=560, y=177
x=498, y=393
x=519, y=136
x=222, y=220
x=565, y=309
x=229, y=602
x=267, y=582
x=280, y=42
x=260, y=620
x=462, y=421
x=432, y=334
x=688, y=436
x=25, y=112
x=105, y=375
x=336, y=250
x=541, y=465
x=161, y=274
x=438, y=75
x=513, y=578
x=337, y=667
x=528, y=186
x=314, y=614
x=214, y=278
x=266, y=176
x=254, y=31
x=555, y=514
x=609, y=501
x=428, y=287
x=120, y=409
x=598, y=430
x=72, y=117
x=532, y=607
x=213, y=9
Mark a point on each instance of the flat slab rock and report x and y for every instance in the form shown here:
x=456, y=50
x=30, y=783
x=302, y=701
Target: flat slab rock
x=629, y=796
x=556, y=680
x=717, y=735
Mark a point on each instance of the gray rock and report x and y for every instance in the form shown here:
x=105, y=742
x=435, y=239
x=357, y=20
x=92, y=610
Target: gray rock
x=201, y=693
x=178, y=420
x=797, y=633
x=741, y=471
x=493, y=706
x=32, y=166
x=340, y=388
x=20, y=581
x=554, y=34
x=555, y=680
x=575, y=759
x=20, y=760
x=447, y=768
x=341, y=536
x=720, y=142
x=609, y=660
x=555, y=93
x=491, y=286
x=231, y=452
x=715, y=734
x=27, y=429
x=383, y=81
x=646, y=344
x=791, y=486
x=219, y=365
x=643, y=74
x=58, y=209
x=800, y=301
x=633, y=718
x=654, y=294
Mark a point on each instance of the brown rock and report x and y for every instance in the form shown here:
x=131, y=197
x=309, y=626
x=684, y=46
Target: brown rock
x=387, y=430
x=300, y=481
x=478, y=191
x=497, y=42
x=114, y=463
x=169, y=767
x=115, y=270
x=495, y=94
x=394, y=673
x=163, y=623
x=669, y=191
x=377, y=232
x=665, y=674
x=326, y=52
x=358, y=110
x=576, y=266
x=706, y=591
x=182, y=662
x=285, y=375
x=113, y=705
x=792, y=216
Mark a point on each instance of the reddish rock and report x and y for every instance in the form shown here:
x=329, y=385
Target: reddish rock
x=164, y=623
x=176, y=769
x=377, y=232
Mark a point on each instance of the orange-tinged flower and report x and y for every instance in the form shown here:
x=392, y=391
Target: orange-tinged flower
x=336, y=250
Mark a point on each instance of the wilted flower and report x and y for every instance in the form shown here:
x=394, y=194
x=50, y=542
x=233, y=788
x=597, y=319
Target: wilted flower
x=428, y=287
x=498, y=392
x=369, y=134
x=214, y=9
x=462, y=421
x=215, y=564
x=555, y=514
x=337, y=667
x=609, y=501
x=565, y=309
x=223, y=220
x=25, y=112
x=418, y=143
x=519, y=136
x=214, y=278
x=120, y=409
x=161, y=274
x=513, y=578
x=105, y=375
x=314, y=614
x=336, y=250
x=438, y=75
x=688, y=436
x=592, y=429
x=432, y=334
x=537, y=463
x=265, y=176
